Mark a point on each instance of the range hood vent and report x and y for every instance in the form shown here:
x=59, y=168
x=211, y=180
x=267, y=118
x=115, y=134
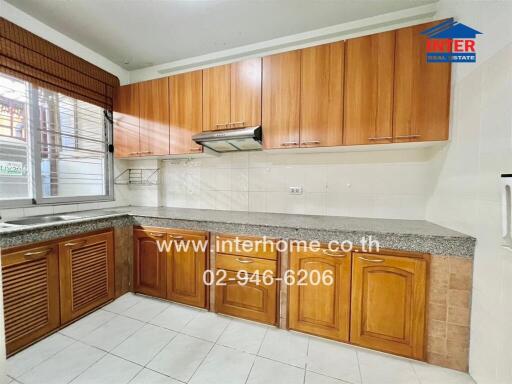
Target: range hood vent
x=231, y=140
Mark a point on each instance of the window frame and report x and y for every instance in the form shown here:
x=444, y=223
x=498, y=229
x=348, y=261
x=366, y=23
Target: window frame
x=35, y=171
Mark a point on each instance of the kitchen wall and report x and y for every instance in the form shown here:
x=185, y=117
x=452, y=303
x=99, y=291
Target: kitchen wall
x=382, y=183
x=467, y=195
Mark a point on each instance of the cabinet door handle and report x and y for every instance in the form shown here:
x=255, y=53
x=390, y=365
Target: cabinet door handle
x=407, y=136
x=37, y=253
x=328, y=253
x=196, y=149
x=156, y=234
x=371, y=260
x=310, y=142
x=222, y=125
x=75, y=243
x=244, y=261
x=176, y=237
x=145, y=153
x=380, y=138
x=287, y=143
x=234, y=124
x=133, y=153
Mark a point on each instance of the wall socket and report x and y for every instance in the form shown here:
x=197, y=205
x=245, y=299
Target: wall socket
x=295, y=190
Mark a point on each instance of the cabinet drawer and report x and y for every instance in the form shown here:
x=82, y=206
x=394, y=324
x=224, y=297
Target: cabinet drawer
x=247, y=246
x=250, y=264
x=250, y=301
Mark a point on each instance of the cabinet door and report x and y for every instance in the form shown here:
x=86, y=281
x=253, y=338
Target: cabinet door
x=86, y=268
x=31, y=294
x=185, y=268
x=246, y=93
x=369, y=89
x=321, y=309
x=154, y=117
x=321, y=107
x=281, y=100
x=149, y=262
x=422, y=90
x=388, y=304
x=216, y=97
x=186, y=111
x=126, y=121
x=248, y=300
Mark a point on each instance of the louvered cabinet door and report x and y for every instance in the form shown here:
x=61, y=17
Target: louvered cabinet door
x=86, y=274
x=31, y=295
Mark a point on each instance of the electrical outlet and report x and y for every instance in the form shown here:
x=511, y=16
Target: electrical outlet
x=295, y=190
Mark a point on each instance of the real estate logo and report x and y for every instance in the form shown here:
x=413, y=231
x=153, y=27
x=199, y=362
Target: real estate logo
x=451, y=42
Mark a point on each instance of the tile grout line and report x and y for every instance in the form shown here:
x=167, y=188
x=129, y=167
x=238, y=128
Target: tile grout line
x=359, y=367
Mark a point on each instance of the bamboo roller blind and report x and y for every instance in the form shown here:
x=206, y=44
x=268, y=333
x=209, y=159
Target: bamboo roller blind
x=31, y=58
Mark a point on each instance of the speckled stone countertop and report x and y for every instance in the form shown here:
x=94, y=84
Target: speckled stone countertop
x=409, y=235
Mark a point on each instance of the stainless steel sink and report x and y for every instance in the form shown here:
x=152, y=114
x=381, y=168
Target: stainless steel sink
x=41, y=219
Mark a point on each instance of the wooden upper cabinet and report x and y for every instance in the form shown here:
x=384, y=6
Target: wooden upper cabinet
x=216, y=97
x=422, y=90
x=232, y=95
x=246, y=93
x=281, y=100
x=149, y=262
x=86, y=269
x=31, y=294
x=321, y=97
x=369, y=69
x=186, y=111
x=126, y=121
x=185, y=268
x=321, y=309
x=154, y=117
x=388, y=304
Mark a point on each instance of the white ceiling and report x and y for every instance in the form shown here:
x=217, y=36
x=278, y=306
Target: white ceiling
x=141, y=33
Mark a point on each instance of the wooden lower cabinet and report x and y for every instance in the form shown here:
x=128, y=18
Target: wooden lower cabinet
x=388, y=303
x=31, y=294
x=248, y=300
x=186, y=266
x=86, y=267
x=321, y=309
x=149, y=264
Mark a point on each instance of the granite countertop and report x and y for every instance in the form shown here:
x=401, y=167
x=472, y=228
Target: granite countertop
x=411, y=235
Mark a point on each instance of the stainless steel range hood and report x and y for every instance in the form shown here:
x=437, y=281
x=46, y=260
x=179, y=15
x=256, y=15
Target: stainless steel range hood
x=231, y=140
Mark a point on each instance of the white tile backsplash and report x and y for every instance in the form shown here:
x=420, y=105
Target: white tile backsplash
x=332, y=183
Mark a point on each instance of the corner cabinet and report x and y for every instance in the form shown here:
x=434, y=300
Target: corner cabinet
x=321, y=309
x=31, y=294
x=170, y=263
x=149, y=262
x=388, y=303
x=86, y=267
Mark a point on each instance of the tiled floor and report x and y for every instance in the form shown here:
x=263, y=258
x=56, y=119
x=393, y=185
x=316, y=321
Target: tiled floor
x=139, y=340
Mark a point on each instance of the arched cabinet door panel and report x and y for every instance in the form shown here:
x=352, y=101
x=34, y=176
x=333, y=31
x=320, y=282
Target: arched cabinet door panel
x=319, y=305
x=388, y=304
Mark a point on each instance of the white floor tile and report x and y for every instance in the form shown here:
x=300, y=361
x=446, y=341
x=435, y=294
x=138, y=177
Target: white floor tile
x=109, y=370
x=64, y=366
x=146, y=309
x=176, y=317
x=315, y=378
x=378, y=368
x=267, y=371
x=206, y=326
x=147, y=376
x=431, y=374
x=333, y=359
x=286, y=347
x=36, y=354
x=224, y=365
x=144, y=344
x=122, y=303
x=114, y=332
x=243, y=335
x=181, y=357
x=83, y=327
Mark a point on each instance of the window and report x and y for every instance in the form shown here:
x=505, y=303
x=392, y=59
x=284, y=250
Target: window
x=53, y=148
